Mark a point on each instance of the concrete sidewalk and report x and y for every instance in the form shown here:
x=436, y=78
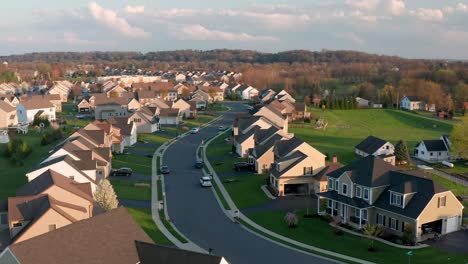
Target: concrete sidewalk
x=234, y=210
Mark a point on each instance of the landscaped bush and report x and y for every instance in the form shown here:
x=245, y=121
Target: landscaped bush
x=38, y=120
x=51, y=136
x=17, y=150
x=291, y=219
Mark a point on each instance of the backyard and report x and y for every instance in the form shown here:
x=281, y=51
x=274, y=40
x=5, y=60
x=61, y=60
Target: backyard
x=347, y=128
x=316, y=232
x=132, y=190
x=144, y=219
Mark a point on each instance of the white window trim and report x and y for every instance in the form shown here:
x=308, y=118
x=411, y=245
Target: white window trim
x=357, y=213
x=329, y=204
x=330, y=184
x=343, y=187
x=368, y=194
x=380, y=218
x=392, y=223
x=360, y=191
x=337, y=185
x=365, y=214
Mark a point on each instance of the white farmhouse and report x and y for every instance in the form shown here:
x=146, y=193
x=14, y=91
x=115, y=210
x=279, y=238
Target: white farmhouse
x=433, y=150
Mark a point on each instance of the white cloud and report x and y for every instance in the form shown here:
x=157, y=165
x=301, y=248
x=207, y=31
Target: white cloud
x=73, y=39
x=199, y=32
x=278, y=20
x=362, y=16
x=363, y=4
x=353, y=37
x=110, y=19
x=138, y=9
x=396, y=7
x=428, y=14
x=448, y=9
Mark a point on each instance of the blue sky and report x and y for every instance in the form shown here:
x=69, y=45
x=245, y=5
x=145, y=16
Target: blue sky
x=413, y=29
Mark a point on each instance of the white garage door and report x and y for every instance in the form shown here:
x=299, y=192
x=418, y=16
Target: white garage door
x=452, y=224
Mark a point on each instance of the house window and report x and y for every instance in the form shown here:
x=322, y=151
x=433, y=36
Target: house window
x=344, y=188
x=52, y=227
x=403, y=226
x=19, y=224
x=336, y=185
x=440, y=153
x=366, y=194
x=358, y=191
x=393, y=223
x=307, y=170
x=364, y=214
x=432, y=154
x=330, y=184
x=388, y=147
x=330, y=204
x=357, y=213
x=422, y=152
x=380, y=219
x=396, y=199
x=441, y=201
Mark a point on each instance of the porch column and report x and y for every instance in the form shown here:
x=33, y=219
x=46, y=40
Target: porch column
x=360, y=217
x=318, y=205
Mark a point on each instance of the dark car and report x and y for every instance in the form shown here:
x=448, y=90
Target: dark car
x=165, y=170
x=199, y=164
x=243, y=166
x=122, y=172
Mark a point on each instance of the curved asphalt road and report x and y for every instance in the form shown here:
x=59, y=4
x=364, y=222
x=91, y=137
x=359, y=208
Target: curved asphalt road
x=197, y=214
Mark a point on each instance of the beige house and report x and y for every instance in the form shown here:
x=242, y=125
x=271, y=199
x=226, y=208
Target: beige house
x=145, y=120
x=106, y=108
x=276, y=117
x=7, y=115
x=84, y=106
x=370, y=190
x=261, y=155
x=244, y=133
x=53, y=98
x=184, y=108
x=296, y=163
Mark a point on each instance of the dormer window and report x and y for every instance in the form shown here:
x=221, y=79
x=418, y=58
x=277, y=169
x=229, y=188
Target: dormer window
x=358, y=191
x=366, y=194
x=336, y=185
x=344, y=188
x=330, y=184
x=396, y=199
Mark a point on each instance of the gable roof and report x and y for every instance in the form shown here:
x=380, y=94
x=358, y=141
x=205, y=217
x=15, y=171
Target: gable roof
x=435, y=145
x=116, y=230
x=296, y=157
x=36, y=103
x=6, y=107
x=284, y=147
x=370, y=171
x=151, y=254
x=413, y=98
x=371, y=144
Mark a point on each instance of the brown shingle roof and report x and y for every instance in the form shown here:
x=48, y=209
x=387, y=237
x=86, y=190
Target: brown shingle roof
x=106, y=238
x=36, y=103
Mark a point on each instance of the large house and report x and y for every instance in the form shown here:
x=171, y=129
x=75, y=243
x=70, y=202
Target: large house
x=295, y=165
x=109, y=107
x=7, y=115
x=32, y=108
x=370, y=190
x=61, y=88
x=436, y=150
x=145, y=120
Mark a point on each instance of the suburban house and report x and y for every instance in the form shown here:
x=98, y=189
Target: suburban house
x=184, y=108
x=53, y=98
x=116, y=91
x=436, y=150
x=32, y=108
x=215, y=94
x=145, y=120
x=83, y=242
x=106, y=108
x=125, y=129
x=169, y=116
x=200, y=95
x=376, y=147
x=370, y=190
x=321, y=180
x=8, y=115
x=244, y=132
x=266, y=96
x=415, y=103
x=362, y=103
x=262, y=155
x=283, y=95
x=249, y=93
x=295, y=165
x=84, y=106
x=61, y=88
x=275, y=117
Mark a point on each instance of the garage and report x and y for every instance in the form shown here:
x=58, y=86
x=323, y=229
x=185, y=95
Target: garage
x=295, y=189
x=451, y=224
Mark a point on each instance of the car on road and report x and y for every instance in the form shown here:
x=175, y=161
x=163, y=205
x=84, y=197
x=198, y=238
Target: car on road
x=122, y=172
x=221, y=128
x=165, y=170
x=205, y=181
x=194, y=130
x=243, y=166
x=199, y=164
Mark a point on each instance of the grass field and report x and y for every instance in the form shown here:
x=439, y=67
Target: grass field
x=347, y=128
x=144, y=219
x=138, y=163
x=456, y=188
x=316, y=232
x=245, y=190
x=459, y=167
x=12, y=175
x=127, y=190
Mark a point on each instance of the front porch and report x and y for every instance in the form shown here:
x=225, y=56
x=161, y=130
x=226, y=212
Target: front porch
x=345, y=213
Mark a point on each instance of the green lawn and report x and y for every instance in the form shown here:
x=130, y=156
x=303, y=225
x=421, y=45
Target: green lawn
x=316, y=232
x=12, y=175
x=225, y=164
x=218, y=147
x=202, y=119
x=245, y=190
x=459, y=167
x=217, y=107
x=144, y=219
x=347, y=128
x=137, y=163
x=154, y=138
x=127, y=190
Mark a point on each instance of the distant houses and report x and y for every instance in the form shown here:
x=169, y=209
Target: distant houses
x=435, y=150
x=415, y=103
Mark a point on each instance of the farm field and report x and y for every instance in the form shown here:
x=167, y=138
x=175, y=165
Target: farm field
x=346, y=128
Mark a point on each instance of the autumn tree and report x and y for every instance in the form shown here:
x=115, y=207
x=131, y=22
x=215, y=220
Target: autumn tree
x=460, y=95
x=459, y=139
x=105, y=195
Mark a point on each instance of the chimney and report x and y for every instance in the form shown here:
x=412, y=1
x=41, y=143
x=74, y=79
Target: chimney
x=334, y=159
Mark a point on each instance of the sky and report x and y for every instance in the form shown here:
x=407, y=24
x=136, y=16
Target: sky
x=406, y=28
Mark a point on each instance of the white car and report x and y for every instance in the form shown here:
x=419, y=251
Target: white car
x=221, y=128
x=205, y=181
x=194, y=130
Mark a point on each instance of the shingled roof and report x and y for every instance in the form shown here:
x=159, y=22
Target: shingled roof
x=151, y=254
x=435, y=145
x=371, y=144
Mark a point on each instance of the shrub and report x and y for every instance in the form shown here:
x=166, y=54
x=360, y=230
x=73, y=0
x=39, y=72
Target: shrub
x=38, y=120
x=51, y=136
x=408, y=235
x=17, y=150
x=291, y=219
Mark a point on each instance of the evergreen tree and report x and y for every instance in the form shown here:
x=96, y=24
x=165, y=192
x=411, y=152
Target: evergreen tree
x=401, y=152
x=105, y=195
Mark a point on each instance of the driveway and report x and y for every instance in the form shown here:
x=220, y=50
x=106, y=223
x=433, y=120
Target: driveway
x=285, y=203
x=197, y=214
x=456, y=243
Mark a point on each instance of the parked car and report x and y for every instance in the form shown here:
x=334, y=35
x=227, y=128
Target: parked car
x=194, y=130
x=83, y=116
x=165, y=170
x=122, y=172
x=199, y=164
x=205, y=181
x=243, y=166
